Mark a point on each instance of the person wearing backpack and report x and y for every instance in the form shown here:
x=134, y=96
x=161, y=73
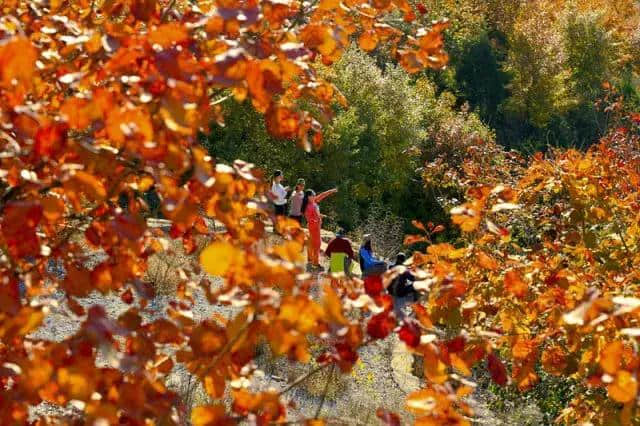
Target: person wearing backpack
x=401, y=287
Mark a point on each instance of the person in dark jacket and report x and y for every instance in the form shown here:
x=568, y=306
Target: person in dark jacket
x=401, y=287
x=369, y=264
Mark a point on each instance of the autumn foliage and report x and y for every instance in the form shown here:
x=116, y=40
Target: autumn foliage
x=102, y=101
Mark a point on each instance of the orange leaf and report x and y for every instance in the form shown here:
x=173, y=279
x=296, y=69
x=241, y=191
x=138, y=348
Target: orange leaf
x=88, y=185
x=554, y=360
x=419, y=225
x=168, y=34
x=434, y=369
x=611, y=357
x=127, y=124
x=486, y=261
x=368, y=40
x=18, y=226
x=214, y=383
x=282, y=122
x=17, y=62
x=624, y=387
x=426, y=401
x=466, y=216
x=460, y=365
x=50, y=140
x=210, y=415
x=514, y=284
x=207, y=338
x=414, y=239
x=524, y=348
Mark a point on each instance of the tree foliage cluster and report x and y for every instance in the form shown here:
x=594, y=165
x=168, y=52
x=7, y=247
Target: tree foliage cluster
x=533, y=70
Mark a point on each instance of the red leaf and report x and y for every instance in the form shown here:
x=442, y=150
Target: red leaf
x=497, y=370
x=384, y=301
x=346, y=356
x=388, y=418
x=127, y=296
x=373, y=285
x=456, y=344
x=410, y=334
x=50, y=140
x=19, y=227
x=381, y=325
x=437, y=229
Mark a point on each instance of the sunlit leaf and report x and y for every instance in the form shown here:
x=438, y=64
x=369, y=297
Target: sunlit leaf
x=624, y=387
x=218, y=257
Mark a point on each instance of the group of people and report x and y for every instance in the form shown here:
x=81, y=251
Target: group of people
x=401, y=287
x=304, y=207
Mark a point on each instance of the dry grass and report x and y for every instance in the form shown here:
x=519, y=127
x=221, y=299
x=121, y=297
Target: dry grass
x=166, y=269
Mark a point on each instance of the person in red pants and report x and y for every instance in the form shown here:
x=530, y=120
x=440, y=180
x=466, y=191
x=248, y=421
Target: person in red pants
x=314, y=223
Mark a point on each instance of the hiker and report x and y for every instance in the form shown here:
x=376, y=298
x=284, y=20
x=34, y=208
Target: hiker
x=340, y=254
x=278, y=196
x=314, y=223
x=401, y=287
x=295, y=209
x=369, y=265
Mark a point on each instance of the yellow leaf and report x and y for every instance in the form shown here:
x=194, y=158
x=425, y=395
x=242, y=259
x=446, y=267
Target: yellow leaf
x=333, y=306
x=459, y=364
x=217, y=258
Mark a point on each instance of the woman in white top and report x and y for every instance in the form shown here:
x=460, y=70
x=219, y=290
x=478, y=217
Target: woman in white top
x=278, y=194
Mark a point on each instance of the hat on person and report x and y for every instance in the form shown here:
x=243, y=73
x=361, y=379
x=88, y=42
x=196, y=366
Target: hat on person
x=300, y=182
x=340, y=232
x=366, y=237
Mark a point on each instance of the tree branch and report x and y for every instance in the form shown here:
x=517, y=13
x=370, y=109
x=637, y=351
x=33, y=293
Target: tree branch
x=324, y=393
x=302, y=378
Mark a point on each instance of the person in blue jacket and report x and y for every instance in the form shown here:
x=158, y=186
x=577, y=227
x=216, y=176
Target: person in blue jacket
x=369, y=264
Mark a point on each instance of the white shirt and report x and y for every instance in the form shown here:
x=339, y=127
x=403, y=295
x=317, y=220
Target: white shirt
x=280, y=194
